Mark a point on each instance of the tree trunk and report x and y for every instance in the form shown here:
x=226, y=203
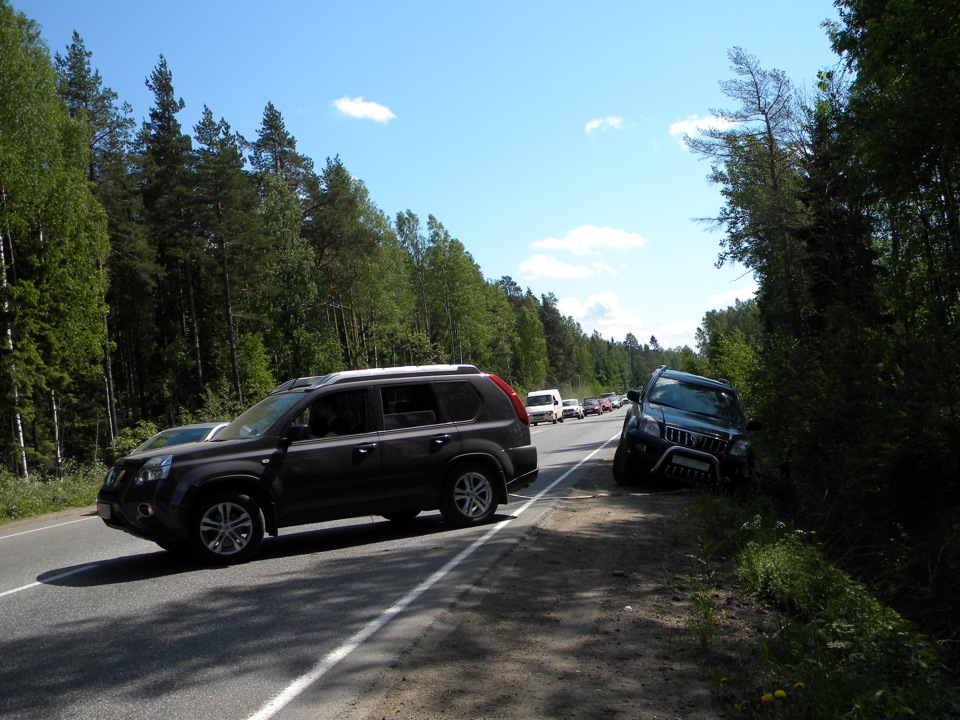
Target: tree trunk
x=194, y=327
x=14, y=387
x=231, y=332
x=57, y=441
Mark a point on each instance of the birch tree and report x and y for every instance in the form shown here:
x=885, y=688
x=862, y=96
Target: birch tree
x=53, y=245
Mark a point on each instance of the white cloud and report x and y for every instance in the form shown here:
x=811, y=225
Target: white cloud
x=605, y=269
x=722, y=301
x=587, y=239
x=363, y=109
x=542, y=266
x=605, y=313
x=608, y=123
x=602, y=312
x=694, y=125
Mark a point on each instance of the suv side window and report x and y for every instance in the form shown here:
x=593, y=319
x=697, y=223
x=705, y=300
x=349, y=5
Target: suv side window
x=462, y=400
x=334, y=414
x=409, y=405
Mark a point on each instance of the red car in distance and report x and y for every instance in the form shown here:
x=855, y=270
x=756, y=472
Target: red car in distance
x=592, y=406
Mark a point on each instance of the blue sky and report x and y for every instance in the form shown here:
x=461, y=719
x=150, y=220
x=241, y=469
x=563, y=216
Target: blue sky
x=545, y=135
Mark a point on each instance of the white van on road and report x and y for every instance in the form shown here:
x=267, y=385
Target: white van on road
x=544, y=406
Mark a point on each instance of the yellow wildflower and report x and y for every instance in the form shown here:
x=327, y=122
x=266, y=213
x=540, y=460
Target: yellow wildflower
x=737, y=707
x=799, y=686
x=767, y=698
x=780, y=694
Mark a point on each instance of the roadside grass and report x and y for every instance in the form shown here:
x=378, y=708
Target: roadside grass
x=21, y=499
x=832, y=649
x=76, y=486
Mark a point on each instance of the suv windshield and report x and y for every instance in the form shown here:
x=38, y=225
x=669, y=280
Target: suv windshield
x=258, y=419
x=697, y=399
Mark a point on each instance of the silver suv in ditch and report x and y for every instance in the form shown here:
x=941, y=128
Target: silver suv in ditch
x=390, y=442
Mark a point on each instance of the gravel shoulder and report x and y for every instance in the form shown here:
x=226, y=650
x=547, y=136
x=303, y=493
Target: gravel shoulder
x=587, y=618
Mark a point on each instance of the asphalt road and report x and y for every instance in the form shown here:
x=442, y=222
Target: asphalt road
x=97, y=624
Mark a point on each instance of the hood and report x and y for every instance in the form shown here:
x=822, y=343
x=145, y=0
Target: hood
x=183, y=451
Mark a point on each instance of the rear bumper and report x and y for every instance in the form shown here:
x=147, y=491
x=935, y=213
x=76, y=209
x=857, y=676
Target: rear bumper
x=525, y=467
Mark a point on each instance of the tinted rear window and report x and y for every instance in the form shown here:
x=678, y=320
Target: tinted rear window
x=462, y=400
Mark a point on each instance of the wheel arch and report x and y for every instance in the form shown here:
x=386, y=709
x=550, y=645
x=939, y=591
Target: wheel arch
x=246, y=484
x=485, y=460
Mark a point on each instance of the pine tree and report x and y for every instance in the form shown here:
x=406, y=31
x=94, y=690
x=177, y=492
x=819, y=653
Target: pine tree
x=166, y=184
x=108, y=130
x=275, y=152
x=226, y=211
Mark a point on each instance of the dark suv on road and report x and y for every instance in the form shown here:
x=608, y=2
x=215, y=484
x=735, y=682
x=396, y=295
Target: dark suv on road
x=389, y=442
x=685, y=427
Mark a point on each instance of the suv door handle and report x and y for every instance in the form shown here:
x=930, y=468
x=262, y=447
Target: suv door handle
x=366, y=448
x=440, y=440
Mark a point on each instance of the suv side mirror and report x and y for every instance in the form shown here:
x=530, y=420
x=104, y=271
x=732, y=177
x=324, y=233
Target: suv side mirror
x=296, y=433
x=633, y=396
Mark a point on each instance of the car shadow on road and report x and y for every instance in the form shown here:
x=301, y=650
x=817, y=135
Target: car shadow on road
x=297, y=542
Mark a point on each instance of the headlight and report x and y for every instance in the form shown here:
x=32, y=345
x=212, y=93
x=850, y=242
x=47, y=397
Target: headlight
x=648, y=425
x=741, y=448
x=157, y=468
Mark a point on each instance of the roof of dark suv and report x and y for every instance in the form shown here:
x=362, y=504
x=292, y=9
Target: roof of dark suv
x=346, y=376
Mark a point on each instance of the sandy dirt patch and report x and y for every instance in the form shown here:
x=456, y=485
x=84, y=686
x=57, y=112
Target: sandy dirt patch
x=589, y=617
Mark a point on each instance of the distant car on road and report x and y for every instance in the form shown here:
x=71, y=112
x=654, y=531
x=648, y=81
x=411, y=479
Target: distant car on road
x=573, y=409
x=605, y=404
x=198, y=432
x=613, y=398
x=592, y=406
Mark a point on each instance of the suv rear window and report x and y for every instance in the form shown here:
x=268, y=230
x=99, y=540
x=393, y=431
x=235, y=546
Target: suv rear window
x=462, y=399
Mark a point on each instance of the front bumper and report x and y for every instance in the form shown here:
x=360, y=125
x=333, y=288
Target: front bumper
x=144, y=511
x=655, y=456
x=539, y=417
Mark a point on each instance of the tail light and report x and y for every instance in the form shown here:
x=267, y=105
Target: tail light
x=518, y=407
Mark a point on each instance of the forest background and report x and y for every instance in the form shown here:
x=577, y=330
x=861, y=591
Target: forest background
x=151, y=276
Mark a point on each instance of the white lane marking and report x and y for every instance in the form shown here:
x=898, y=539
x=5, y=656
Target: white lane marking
x=48, y=580
x=47, y=527
x=325, y=664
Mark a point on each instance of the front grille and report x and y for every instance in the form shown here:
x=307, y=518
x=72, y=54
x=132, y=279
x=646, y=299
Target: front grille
x=697, y=441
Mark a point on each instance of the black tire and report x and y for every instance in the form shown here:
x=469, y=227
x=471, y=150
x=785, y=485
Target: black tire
x=226, y=528
x=469, y=496
x=402, y=517
x=623, y=471
x=177, y=547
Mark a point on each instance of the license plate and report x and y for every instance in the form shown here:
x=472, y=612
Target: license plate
x=103, y=510
x=691, y=463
